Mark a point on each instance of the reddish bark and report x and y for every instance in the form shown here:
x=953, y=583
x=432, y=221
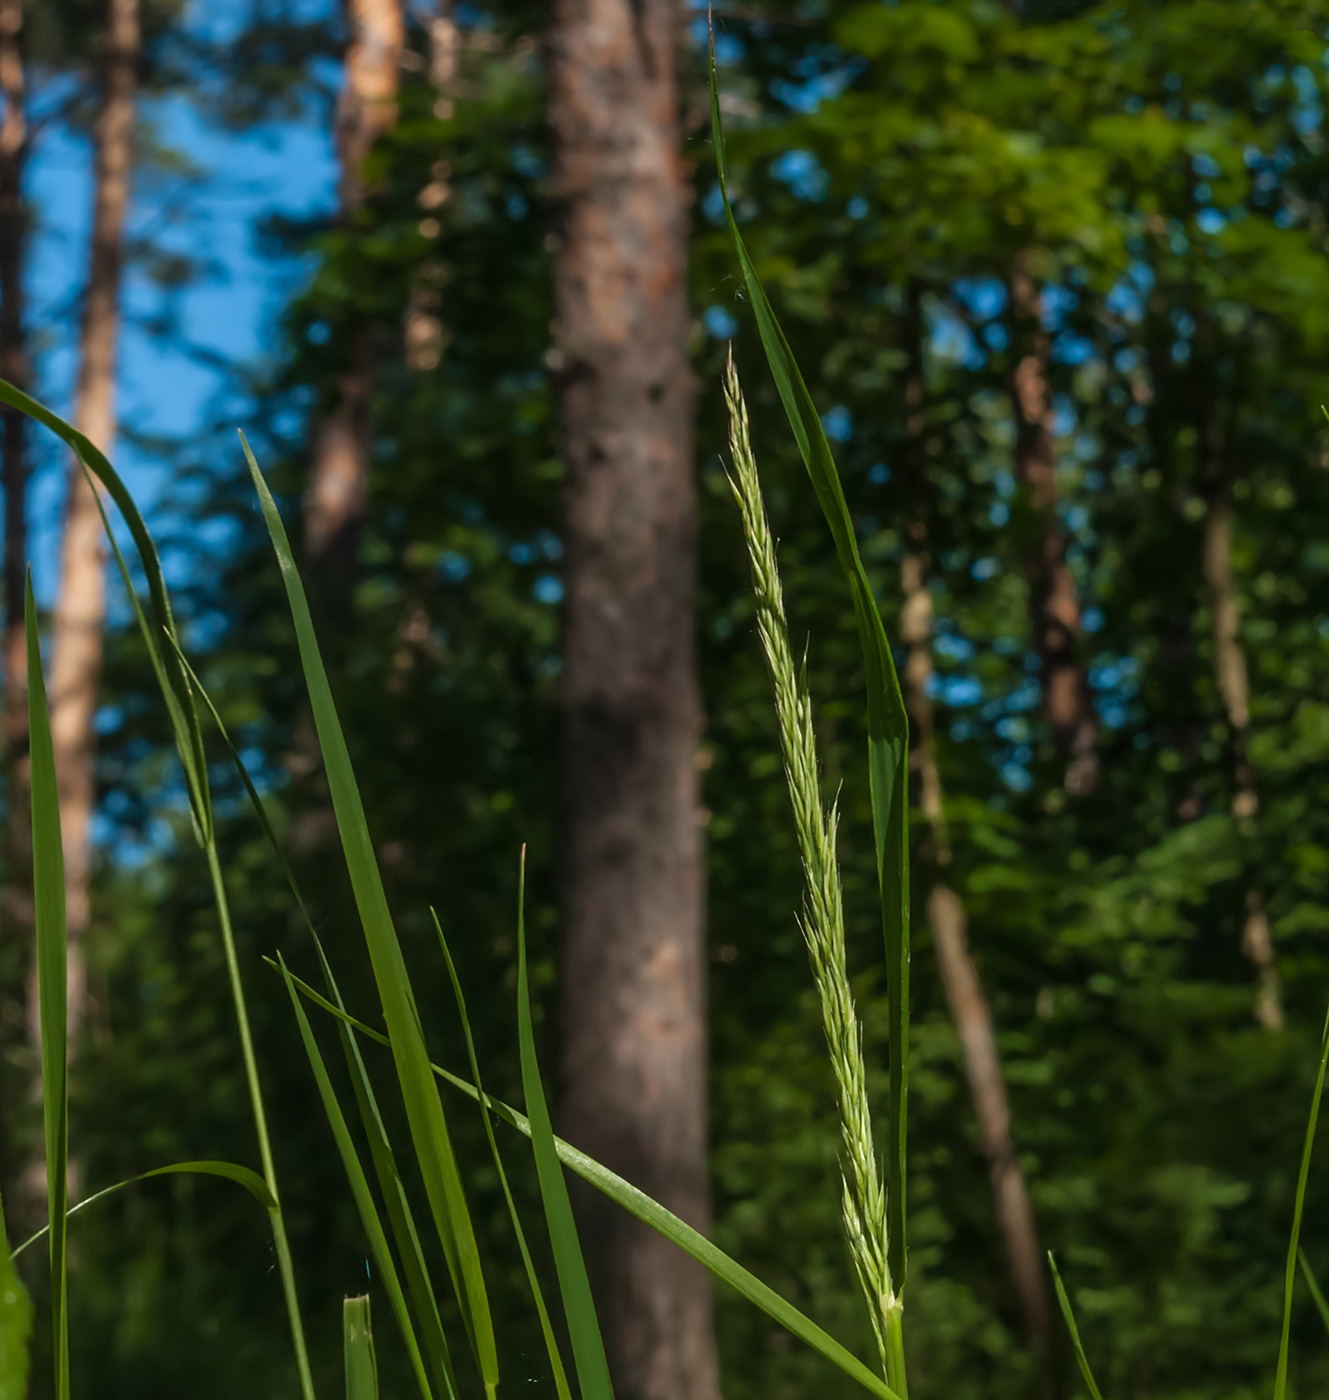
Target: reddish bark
x=81, y=612
x=633, y=1052
x=1054, y=608
x=339, y=477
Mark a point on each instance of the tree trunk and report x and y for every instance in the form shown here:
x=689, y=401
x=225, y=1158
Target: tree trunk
x=1233, y=687
x=1053, y=605
x=81, y=611
x=423, y=324
x=339, y=479
x=633, y=1053
x=959, y=974
x=17, y=911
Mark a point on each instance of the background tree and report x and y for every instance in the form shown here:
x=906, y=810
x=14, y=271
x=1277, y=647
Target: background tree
x=633, y=1000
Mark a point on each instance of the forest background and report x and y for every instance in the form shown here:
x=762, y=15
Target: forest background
x=1059, y=279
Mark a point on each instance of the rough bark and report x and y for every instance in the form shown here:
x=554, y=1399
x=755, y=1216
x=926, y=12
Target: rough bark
x=1053, y=605
x=17, y=910
x=423, y=324
x=960, y=977
x=1234, y=689
x=81, y=610
x=339, y=478
x=633, y=1051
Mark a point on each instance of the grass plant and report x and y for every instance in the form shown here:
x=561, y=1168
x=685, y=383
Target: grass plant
x=873, y=1188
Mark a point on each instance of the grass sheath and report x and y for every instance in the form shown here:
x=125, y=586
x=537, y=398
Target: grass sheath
x=358, y=1350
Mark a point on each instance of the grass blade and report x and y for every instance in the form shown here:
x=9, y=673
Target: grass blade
x=888, y=725
x=360, y=1189
x=588, y=1350
x=1081, y=1359
x=1294, y=1244
x=424, y=1107
x=358, y=1349
x=364, y=1197
x=48, y=887
x=400, y=1220
x=183, y=714
x=546, y=1327
x=649, y=1212
x=15, y=1325
x=229, y=1171
x=1313, y=1284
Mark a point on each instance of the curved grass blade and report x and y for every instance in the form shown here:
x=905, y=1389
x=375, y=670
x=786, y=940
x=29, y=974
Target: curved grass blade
x=546, y=1326
x=364, y=1197
x=1081, y=1359
x=358, y=1350
x=184, y=720
x=15, y=1325
x=433, y=1342
x=888, y=725
x=649, y=1212
x=424, y=1107
x=48, y=888
x=1313, y=1284
x=588, y=1349
x=229, y=1171
x=1290, y=1272
x=183, y=714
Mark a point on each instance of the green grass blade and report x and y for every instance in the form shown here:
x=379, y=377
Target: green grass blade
x=229, y=1171
x=400, y=1219
x=649, y=1212
x=1294, y=1244
x=358, y=1349
x=588, y=1350
x=424, y=1107
x=546, y=1326
x=48, y=887
x=183, y=714
x=1081, y=1359
x=1314, y=1285
x=888, y=725
x=364, y=1197
x=434, y=1343
x=15, y=1324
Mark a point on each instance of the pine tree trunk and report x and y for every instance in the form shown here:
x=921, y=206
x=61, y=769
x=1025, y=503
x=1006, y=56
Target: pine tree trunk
x=1053, y=605
x=17, y=909
x=965, y=996
x=339, y=478
x=1233, y=686
x=633, y=1052
x=81, y=612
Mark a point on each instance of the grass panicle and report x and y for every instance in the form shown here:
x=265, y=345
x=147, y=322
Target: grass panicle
x=822, y=921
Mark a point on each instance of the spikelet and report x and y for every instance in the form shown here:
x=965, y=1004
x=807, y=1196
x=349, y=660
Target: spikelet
x=822, y=921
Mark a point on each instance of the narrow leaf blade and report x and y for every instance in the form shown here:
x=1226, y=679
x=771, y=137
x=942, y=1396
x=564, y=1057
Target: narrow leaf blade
x=424, y=1108
x=48, y=887
x=588, y=1351
x=1081, y=1359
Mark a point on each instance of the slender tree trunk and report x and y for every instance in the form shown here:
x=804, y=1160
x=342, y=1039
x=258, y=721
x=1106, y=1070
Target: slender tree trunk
x=423, y=325
x=960, y=977
x=633, y=977
x=81, y=611
x=17, y=910
x=339, y=479
x=1233, y=686
x=1054, y=607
